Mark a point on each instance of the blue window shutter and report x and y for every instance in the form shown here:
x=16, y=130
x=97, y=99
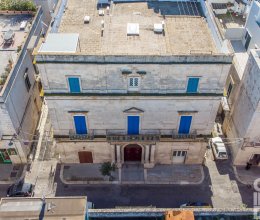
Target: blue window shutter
x=192, y=86
x=133, y=125
x=74, y=84
x=80, y=124
x=184, y=127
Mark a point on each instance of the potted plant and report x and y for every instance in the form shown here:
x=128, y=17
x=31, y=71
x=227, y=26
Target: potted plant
x=106, y=170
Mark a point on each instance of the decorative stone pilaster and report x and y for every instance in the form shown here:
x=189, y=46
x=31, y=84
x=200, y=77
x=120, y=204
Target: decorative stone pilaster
x=113, y=151
x=118, y=156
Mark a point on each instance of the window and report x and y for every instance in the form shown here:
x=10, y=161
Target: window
x=74, y=84
x=179, y=156
x=27, y=80
x=133, y=83
x=192, y=85
x=230, y=86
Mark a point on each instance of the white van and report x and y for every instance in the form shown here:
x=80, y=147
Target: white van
x=218, y=148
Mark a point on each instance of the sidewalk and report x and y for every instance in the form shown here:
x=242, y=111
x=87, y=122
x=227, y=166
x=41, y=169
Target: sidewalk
x=225, y=191
x=247, y=177
x=42, y=170
x=10, y=173
x=133, y=174
x=85, y=174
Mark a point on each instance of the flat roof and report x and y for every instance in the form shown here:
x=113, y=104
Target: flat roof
x=60, y=43
x=185, y=32
x=15, y=27
x=54, y=206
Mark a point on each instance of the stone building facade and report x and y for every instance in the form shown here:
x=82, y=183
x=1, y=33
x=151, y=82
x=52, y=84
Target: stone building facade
x=242, y=122
x=132, y=98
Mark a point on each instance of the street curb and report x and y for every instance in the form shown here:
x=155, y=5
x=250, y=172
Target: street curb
x=238, y=178
x=130, y=182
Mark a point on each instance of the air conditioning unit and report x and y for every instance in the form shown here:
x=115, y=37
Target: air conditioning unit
x=101, y=12
x=86, y=19
x=158, y=28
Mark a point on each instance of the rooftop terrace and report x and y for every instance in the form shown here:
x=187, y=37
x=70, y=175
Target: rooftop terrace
x=185, y=29
x=13, y=31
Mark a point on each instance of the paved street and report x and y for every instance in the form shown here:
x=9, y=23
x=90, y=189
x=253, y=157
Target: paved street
x=3, y=190
x=109, y=196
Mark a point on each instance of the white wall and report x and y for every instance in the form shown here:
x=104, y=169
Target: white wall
x=108, y=112
x=108, y=78
x=247, y=100
x=234, y=33
x=252, y=27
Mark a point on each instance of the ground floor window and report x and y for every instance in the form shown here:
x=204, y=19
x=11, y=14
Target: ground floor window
x=179, y=156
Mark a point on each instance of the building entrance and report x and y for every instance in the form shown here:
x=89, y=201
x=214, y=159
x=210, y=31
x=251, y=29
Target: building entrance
x=133, y=153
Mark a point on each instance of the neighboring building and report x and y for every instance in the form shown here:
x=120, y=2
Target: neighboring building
x=243, y=120
x=136, y=82
x=77, y=208
x=20, y=104
x=53, y=208
x=251, y=35
x=241, y=109
x=48, y=7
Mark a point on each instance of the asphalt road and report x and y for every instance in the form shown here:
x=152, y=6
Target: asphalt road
x=161, y=196
x=3, y=190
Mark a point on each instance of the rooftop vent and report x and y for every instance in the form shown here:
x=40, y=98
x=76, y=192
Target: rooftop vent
x=159, y=27
x=101, y=12
x=86, y=19
x=132, y=29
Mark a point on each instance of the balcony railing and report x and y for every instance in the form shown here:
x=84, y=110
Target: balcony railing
x=74, y=136
x=133, y=138
x=191, y=135
x=144, y=136
x=113, y=135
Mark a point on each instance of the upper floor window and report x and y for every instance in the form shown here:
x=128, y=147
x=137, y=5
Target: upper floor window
x=229, y=90
x=133, y=83
x=74, y=84
x=27, y=81
x=192, y=85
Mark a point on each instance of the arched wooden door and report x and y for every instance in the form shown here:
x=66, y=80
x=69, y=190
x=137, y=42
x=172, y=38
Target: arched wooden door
x=133, y=153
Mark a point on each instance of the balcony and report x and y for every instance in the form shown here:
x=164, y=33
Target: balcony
x=113, y=135
x=74, y=136
x=191, y=135
x=145, y=136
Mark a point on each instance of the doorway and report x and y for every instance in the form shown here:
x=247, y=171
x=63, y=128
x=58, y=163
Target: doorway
x=85, y=157
x=185, y=123
x=133, y=153
x=248, y=39
x=133, y=125
x=179, y=156
x=255, y=160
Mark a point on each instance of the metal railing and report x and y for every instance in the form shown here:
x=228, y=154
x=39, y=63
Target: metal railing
x=191, y=135
x=120, y=135
x=133, y=138
x=74, y=136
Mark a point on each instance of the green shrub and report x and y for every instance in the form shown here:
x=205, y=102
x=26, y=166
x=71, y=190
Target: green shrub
x=106, y=168
x=17, y=5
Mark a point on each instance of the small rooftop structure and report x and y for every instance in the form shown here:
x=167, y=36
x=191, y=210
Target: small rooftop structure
x=54, y=207
x=60, y=43
x=131, y=28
